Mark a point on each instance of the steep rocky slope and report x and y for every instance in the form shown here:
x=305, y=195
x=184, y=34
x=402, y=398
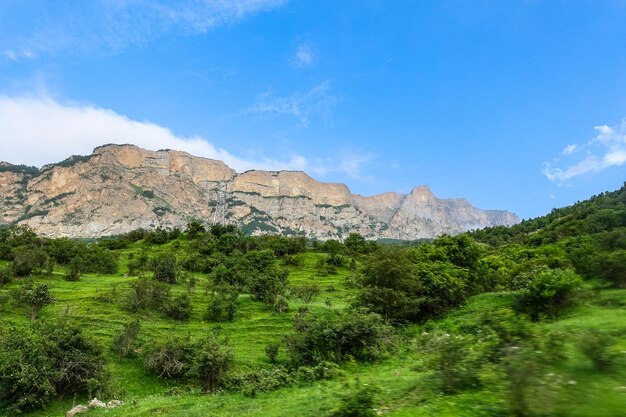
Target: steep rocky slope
x=122, y=187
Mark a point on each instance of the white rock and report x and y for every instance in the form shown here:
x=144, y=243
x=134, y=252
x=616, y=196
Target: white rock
x=114, y=403
x=76, y=410
x=96, y=403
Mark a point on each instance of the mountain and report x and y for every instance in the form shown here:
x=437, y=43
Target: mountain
x=123, y=187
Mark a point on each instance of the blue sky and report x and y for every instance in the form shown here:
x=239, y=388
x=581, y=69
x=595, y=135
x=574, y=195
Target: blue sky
x=513, y=105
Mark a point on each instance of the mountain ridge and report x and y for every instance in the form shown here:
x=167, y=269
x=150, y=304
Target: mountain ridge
x=121, y=187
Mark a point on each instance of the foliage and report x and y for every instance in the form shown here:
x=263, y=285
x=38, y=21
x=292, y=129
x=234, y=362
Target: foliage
x=334, y=336
x=205, y=362
x=27, y=261
x=548, y=292
x=146, y=294
x=596, y=346
x=179, y=307
x=123, y=342
x=46, y=360
x=33, y=297
x=223, y=304
x=164, y=268
x=359, y=401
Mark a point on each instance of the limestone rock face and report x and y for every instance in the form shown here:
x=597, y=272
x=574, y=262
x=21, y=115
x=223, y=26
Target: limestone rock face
x=122, y=187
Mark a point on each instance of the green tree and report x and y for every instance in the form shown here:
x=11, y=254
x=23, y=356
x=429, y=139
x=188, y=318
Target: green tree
x=33, y=297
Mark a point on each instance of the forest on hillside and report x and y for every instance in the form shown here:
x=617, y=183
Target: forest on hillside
x=523, y=321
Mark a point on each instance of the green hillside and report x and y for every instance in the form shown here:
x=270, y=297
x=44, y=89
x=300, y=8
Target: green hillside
x=521, y=321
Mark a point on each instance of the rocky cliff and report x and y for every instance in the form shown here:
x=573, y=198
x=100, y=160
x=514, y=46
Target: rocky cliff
x=122, y=187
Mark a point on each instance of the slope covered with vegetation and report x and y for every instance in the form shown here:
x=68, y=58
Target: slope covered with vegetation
x=521, y=321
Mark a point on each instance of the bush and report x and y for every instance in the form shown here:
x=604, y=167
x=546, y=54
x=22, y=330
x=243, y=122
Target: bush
x=123, y=343
x=548, y=292
x=147, y=294
x=359, y=401
x=211, y=361
x=171, y=360
x=28, y=261
x=164, y=268
x=334, y=336
x=271, y=351
x=5, y=276
x=179, y=308
x=73, y=270
x=33, y=297
x=43, y=361
x=597, y=347
x=223, y=304
x=206, y=361
x=306, y=292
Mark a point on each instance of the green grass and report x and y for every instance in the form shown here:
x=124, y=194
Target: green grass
x=404, y=391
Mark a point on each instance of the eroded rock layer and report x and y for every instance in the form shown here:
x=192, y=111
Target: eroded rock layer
x=122, y=187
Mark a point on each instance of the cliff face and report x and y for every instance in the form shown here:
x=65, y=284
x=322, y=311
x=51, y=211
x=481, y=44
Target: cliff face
x=122, y=187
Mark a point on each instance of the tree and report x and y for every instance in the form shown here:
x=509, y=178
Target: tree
x=547, y=292
x=34, y=298
x=164, y=268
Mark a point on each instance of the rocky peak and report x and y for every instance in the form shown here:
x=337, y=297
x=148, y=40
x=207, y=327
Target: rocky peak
x=122, y=187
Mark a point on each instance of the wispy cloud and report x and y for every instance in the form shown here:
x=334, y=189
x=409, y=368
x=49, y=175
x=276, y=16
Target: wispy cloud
x=607, y=149
x=304, y=56
x=112, y=24
x=301, y=105
x=38, y=130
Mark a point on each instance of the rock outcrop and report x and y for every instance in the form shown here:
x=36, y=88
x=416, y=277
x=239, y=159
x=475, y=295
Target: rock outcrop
x=122, y=187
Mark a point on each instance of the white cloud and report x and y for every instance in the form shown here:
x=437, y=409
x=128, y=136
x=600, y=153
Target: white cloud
x=37, y=131
x=113, y=24
x=304, y=56
x=569, y=149
x=40, y=130
x=318, y=100
x=607, y=149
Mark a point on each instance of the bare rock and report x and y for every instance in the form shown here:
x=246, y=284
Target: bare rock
x=119, y=188
x=96, y=403
x=77, y=410
x=114, y=403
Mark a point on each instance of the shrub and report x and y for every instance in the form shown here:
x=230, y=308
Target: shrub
x=179, y=308
x=33, y=297
x=123, y=343
x=548, y=292
x=5, y=276
x=223, y=304
x=164, y=268
x=210, y=363
x=206, y=361
x=359, y=401
x=271, y=351
x=597, y=347
x=73, y=270
x=334, y=336
x=306, y=292
x=171, y=359
x=146, y=294
x=44, y=360
x=28, y=261
x=267, y=285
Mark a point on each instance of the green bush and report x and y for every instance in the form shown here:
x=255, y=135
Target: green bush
x=548, y=292
x=146, y=294
x=359, y=401
x=164, y=268
x=223, y=304
x=205, y=362
x=43, y=361
x=334, y=336
x=597, y=348
x=178, y=308
x=123, y=342
x=33, y=297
